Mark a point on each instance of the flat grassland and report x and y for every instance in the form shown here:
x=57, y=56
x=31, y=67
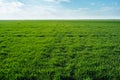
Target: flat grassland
x=60, y=50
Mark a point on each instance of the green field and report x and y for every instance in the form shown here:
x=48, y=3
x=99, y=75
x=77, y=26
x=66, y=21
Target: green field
x=60, y=50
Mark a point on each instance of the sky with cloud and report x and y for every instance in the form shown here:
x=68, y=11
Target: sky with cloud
x=59, y=9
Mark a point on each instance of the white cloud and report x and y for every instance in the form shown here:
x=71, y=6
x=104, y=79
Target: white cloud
x=9, y=7
x=18, y=10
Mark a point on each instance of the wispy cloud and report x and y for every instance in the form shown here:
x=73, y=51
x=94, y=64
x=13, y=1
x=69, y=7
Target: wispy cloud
x=57, y=1
x=19, y=10
x=92, y=3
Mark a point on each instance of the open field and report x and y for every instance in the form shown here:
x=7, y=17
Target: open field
x=60, y=50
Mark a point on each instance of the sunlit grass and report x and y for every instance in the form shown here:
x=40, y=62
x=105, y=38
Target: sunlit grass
x=60, y=50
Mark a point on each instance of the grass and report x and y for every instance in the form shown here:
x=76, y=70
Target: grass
x=60, y=50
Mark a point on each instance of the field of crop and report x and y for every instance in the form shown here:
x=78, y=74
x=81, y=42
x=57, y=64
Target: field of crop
x=60, y=50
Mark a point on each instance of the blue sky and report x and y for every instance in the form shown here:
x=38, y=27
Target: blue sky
x=59, y=9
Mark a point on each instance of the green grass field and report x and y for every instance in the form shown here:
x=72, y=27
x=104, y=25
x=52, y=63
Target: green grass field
x=60, y=50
